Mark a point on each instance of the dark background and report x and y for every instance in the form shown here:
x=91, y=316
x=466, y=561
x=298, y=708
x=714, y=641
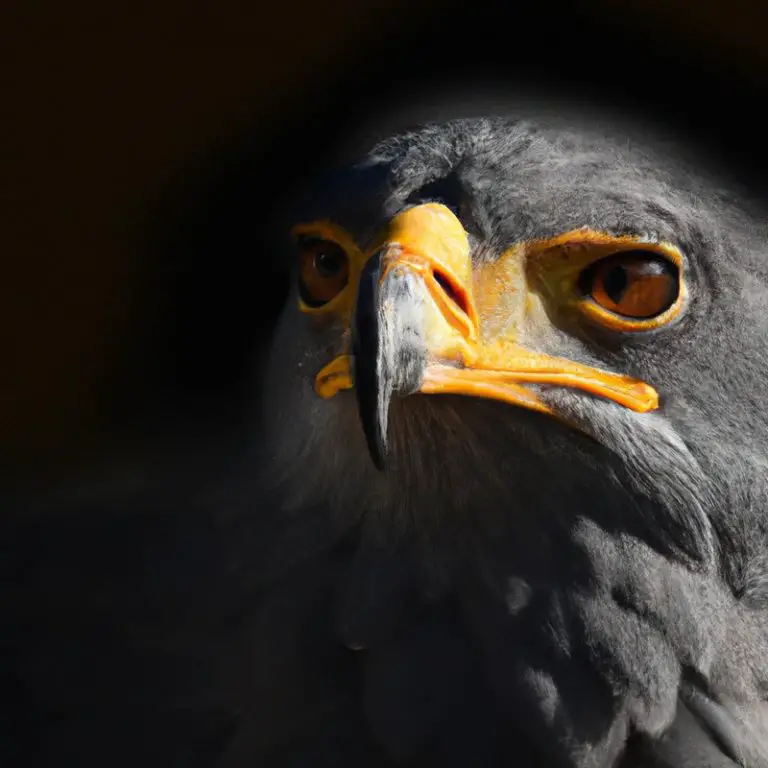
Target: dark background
x=144, y=147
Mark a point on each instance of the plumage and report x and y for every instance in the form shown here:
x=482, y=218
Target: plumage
x=513, y=589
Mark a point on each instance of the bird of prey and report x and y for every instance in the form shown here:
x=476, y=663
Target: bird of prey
x=508, y=505
x=525, y=362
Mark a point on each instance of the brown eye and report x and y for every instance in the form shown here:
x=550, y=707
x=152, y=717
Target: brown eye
x=635, y=284
x=323, y=271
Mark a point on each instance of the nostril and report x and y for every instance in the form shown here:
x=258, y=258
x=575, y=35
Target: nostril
x=457, y=296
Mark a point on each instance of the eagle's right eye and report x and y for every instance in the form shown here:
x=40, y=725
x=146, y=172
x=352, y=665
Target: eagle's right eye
x=323, y=271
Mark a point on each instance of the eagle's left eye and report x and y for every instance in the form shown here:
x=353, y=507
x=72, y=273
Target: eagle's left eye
x=635, y=284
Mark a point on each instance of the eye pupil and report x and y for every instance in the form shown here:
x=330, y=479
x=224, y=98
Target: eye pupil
x=615, y=283
x=633, y=284
x=328, y=263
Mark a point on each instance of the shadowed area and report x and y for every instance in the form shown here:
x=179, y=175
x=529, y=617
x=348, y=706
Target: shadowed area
x=156, y=610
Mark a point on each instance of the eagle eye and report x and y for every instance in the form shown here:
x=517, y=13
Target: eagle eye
x=637, y=284
x=323, y=271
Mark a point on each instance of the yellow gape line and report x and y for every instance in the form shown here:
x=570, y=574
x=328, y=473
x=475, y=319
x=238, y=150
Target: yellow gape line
x=335, y=376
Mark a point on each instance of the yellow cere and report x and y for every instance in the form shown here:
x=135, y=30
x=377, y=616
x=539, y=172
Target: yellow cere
x=428, y=240
x=433, y=232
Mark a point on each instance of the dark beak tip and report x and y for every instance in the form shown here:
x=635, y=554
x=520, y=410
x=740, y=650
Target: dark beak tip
x=365, y=346
x=379, y=457
x=373, y=405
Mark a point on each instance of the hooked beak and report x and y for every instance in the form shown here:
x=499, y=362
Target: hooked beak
x=415, y=329
x=389, y=348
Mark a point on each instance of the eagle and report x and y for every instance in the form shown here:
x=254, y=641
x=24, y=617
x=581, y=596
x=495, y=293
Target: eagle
x=522, y=360
x=506, y=500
